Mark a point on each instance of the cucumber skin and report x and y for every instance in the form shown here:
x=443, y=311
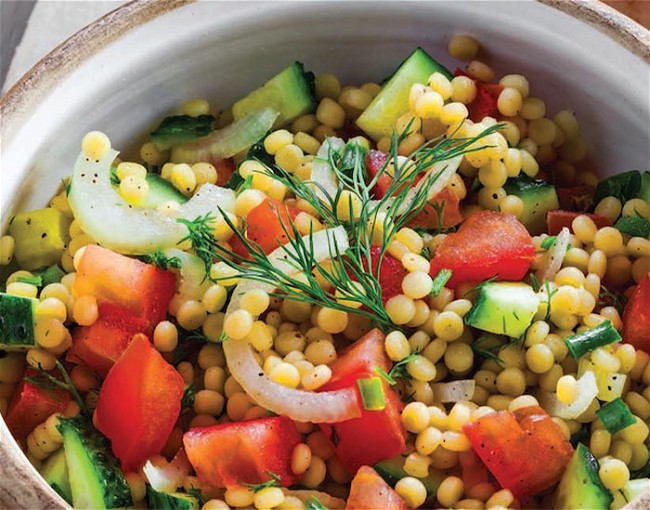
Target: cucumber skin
x=580, y=487
x=539, y=198
x=170, y=501
x=106, y=476
x=17, y=322
x=161, y=191
x=391, y=471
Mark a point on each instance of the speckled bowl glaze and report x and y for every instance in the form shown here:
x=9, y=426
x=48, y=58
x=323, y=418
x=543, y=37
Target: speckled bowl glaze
x=135, y=64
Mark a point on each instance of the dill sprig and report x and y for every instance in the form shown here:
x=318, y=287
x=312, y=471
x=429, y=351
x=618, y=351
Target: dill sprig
x=399, y=370
x=313, y=503
x=355, y=273
x=47, y=381
x=274, y=481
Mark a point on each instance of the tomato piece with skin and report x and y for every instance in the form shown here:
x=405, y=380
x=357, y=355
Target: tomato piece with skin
x=557, y=220
x=472, y=468
x=485, y=103
x=636, y=317
x=232, y=454
x=143, y=290
x=369, y=490
x=375, y=435
x=139, y=403
x=100, y=345
x=266, y=224
x=32, y=404
x=391, y=272
x=488, y=244
x=446, y=200
x=225, y=168
x=525, y=450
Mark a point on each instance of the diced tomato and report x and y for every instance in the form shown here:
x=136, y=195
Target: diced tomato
x=485, y=103
x=266, y=224
x=575, y=198
x=141, y=289
x=101, y=344
x=525, y=450
x=375, y=435
x=557, y=220
x=428, y=217
x=391, y=273
x=225, y=168
x=32, y=404
x=369, y=490
x=487, y=244
x=232, y=454
x=636, y=317
x=139, y=403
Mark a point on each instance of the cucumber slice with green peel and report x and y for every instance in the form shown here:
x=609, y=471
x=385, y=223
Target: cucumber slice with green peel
x=644, y=192
x=503, y=308
x=96, y=480
x=17, y=316
x=40, y=236
x=55, y=472
x=290, y=93
x=171, y=500
x=392, y=471
x=379, y=118
x=539, y=197
x=179, y=129
x=161, y=191
x=580, y=487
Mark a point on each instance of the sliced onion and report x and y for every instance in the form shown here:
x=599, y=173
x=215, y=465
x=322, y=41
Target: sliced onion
x=329, y=502
x=553, y=260
x=166, y=476
x=322, y=176
x=192, y=283
x=586, y=393
x=455, y=391
x=114, y=223
x=299, y=405
x=228, y=141
x=445, y=171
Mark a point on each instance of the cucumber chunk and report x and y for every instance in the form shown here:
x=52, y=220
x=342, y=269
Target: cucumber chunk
x=291, y=93
x=580, y=486
x=52, y=274
x=17, y=315
x=41, y=236
x=161, y=191
x=96, y=480
x=539, y=198
x=55, y=472
x=379, y=118
x=504, y=308
x=392, y=471
x=171, y=500
x=181, y=129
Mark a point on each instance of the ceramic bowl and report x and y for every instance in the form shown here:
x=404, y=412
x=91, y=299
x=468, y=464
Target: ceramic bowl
x=137, y=63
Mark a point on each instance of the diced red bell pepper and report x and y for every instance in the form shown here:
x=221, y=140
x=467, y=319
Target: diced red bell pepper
x=142, y=289
x=525, y=450
x=139, y=403
x=32, y=404
x=265, y=225
x=101, y=344
x=225, y=168
x=369, y=490
x=473, y=469
x=485, y=103
x=575, y=198
x=428, y=217
x=375, y=435
x=636, y=317
x=487, y=244
x=232, y=454
x=557, y=220
x=391, y=273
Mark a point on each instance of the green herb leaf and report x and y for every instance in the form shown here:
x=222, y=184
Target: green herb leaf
x=273, y=482
x=32, y=280
x=115, y=180
x=313, y=503
x=483, y=350
x=615, y=415
x=533, y=282
x=398, y=371
x=439, y=282
x=548, y=242
x=189, y=394
x=635, y=226
x=622, y=186
x=159, y=259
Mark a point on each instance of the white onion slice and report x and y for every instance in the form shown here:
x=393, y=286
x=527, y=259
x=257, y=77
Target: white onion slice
x=323, y=178
x=299, y=405
x=228, y=141
x=553, y=260
x=166, y=476
x=329, y=502
x=115, y=224
x=445, y=171
x=455, y=391
x=587, y=391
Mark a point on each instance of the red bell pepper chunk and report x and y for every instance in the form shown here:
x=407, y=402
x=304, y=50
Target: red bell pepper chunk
x=101, y=344
x=485, y=103
x=636, y=317
x=525, y=450
x=428, y=217
x=31, y=405
x=232, y=454
x=141, y=289
x=369, y=490
x=487, y=244
x=473, y=469
x=375, y=435
x=225, y=168
x=139, y=403
x=557, y=220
